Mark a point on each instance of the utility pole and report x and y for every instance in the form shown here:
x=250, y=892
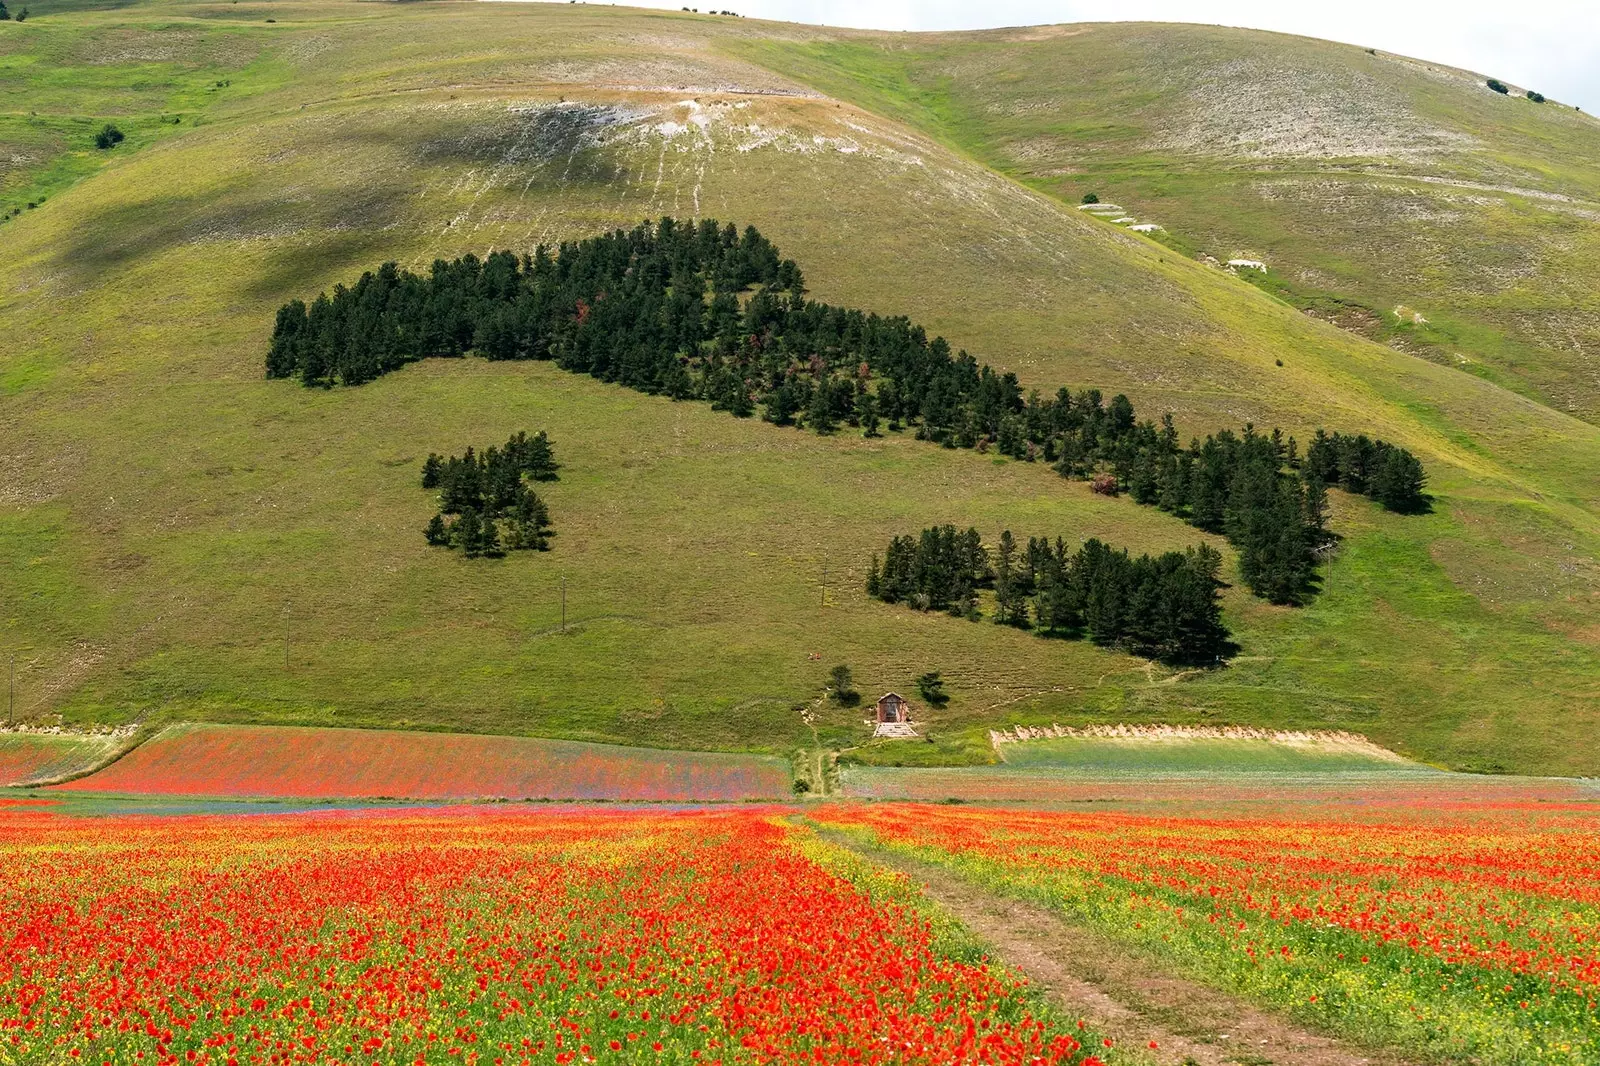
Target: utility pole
x=1326, y=555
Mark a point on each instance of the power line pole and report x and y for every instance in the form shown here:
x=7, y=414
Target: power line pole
x=1327, y=553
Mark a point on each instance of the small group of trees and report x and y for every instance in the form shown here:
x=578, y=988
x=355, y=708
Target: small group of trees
x=485, y=505
x=938, y=570
x=5, y=16
x=108, y=137
x=705, y=311
x=1392, y=476
x=1166, y=607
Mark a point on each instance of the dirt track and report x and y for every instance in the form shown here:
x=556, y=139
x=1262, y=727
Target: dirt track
x=1123, y=995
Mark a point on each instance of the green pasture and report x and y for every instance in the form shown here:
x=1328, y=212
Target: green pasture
x=186, y=541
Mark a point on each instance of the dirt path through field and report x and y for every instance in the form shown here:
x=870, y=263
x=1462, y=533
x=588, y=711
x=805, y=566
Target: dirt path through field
x=1121, y=994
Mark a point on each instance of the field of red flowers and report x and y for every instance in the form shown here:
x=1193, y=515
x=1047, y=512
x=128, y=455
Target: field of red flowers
x=217, y=760
x=477, y=936
x=1463, y=932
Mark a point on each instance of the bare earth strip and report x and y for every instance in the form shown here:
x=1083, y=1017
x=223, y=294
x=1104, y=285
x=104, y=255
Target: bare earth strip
x=1121, y=994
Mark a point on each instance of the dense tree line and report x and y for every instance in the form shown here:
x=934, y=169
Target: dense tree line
x=1165, y=607
x=485, y=505
x=707, y=312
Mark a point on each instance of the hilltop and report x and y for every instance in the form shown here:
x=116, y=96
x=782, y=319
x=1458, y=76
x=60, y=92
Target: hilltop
x=188, y=540
x=1406, y=200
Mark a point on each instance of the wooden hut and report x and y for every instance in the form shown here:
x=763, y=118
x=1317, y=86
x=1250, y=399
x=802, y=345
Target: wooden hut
x=893, y=707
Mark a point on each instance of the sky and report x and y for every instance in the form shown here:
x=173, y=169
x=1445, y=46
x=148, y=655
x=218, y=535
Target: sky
x=1552, y=46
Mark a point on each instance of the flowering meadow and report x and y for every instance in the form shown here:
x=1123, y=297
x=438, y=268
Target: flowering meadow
x=1467, y=932
x=491, y=935
x=246, y=760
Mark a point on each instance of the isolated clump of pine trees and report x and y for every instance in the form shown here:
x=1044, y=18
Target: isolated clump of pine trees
x=1165, y=607
x=710, y=313
x=486, y=507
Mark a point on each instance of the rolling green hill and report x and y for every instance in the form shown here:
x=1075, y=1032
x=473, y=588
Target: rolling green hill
x=1402, y=199
x=185, y=540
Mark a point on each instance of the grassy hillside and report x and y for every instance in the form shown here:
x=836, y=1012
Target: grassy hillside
x=186, y=540
x=1402, y=199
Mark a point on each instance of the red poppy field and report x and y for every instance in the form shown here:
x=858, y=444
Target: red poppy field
x=1460, y=932
x=1455, y=932
x=479, y=937
x=216, y=760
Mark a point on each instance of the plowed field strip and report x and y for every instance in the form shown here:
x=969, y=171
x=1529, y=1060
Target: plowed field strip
x=1120, y=993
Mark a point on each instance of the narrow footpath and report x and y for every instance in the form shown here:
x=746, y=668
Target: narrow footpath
x=1127, y=997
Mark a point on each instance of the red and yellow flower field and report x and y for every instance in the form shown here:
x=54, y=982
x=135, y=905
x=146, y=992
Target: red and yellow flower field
x=1463, y=933
x=502, y=935
x=476, y=936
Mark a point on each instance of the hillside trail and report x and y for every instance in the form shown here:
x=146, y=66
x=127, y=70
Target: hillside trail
x=1127, y=997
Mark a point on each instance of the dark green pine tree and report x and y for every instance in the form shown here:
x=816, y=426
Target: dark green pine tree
x=874, y=580
x=1011, y=604
x=489, y=538
x=437, y=533
x=431, y=470
x=1316, y=508
x=467, y=533
x=1100, y=577
x=540, y=460
x=867, y=415
x=1055, y=605
x=819, y=413
x=530, y=524
x=1399, y=481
